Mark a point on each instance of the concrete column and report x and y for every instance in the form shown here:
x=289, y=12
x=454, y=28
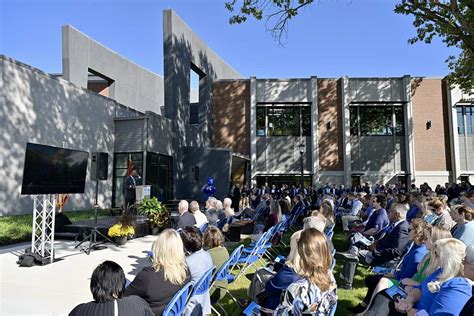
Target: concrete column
x=253, y=130
x=346, y=133
x=453, y=96
x=409, y=138
x=314, y=129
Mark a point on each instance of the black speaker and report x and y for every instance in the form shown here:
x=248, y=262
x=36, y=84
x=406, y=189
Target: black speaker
x=99, y=166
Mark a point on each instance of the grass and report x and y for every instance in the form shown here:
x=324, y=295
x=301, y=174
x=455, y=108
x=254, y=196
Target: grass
x=17, y=228
x=346, y=298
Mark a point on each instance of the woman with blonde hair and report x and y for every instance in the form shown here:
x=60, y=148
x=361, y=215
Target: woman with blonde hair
x=445, y=291
x=328, y=211
x=428, y=265
x=167, y=275
x=315, y=291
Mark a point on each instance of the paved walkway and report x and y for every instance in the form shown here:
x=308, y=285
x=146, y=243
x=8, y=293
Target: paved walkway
x=55, y=289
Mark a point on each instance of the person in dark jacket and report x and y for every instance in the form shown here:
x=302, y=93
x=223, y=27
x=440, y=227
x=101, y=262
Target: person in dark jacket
x=168, y=274
x=107, y=287
x=185, y=217
x=390, y=247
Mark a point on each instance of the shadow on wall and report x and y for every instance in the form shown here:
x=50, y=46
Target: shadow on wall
x=329, y=111
x=53, y=112
x=178, y=58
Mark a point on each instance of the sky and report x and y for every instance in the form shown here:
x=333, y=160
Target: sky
x=331, y=38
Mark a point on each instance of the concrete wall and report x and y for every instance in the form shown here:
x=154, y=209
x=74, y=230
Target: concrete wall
x=281, y=155
x=375, y=89
x=231, y=115
x=36, y=107
x=283, y=90
x=182, y=49
x=330, y=141
x=431, y=145
x=133, y=85
x=212, y=163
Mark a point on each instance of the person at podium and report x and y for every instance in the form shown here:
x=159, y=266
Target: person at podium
x=129, y=189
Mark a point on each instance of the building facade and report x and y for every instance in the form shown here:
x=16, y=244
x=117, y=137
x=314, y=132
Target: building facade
x=248, y=131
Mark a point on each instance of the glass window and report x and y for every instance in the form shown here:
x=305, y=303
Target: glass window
x=261, y=114
x=399, y=121
x=306, y=121
x=460, y=121
x=353, y=121
x=284, y=121
x=375, y=121
x=469, y=114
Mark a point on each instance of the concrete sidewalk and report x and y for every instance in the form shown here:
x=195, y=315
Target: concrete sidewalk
x=55, y=289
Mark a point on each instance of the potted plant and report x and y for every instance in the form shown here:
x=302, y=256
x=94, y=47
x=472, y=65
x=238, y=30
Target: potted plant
x=156, y=212
x=123, y=229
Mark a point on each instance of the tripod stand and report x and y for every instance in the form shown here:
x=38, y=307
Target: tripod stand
x=92, y=237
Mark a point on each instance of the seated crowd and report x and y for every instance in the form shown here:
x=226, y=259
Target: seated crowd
x=418, y=244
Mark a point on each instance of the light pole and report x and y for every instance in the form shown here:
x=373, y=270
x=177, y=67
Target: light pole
x=302, y=148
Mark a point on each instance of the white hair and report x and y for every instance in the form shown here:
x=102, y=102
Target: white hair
x=183, y=206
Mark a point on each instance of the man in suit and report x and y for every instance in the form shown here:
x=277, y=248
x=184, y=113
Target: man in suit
x=129, y=189
x=390, y=247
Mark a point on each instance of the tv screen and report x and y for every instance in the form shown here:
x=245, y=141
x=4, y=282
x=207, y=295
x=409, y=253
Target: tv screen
x=50, y=170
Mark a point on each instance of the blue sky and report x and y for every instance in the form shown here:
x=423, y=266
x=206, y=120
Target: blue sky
x=332, y=38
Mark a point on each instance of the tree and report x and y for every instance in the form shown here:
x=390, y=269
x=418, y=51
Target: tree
x=451, y=20
x=279, y=13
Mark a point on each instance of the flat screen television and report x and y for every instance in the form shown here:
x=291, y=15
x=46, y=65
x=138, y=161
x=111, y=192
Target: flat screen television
x=50, y=170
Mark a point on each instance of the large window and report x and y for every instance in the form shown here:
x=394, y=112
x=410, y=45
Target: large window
x=376, y=120
x=285, y=120
x=468, y=113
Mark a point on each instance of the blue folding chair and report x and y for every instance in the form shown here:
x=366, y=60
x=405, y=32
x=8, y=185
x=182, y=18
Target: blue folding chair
x=203, y=228
x=204, y=283
x=330, y=234
x=234, y=257
x=178, y=303
x=224, y=274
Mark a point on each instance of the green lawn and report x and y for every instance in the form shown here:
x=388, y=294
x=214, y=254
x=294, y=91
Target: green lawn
x=347, y=298
x=17, y=228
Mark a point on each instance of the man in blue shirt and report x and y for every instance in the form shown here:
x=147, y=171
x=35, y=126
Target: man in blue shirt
x=379, y=218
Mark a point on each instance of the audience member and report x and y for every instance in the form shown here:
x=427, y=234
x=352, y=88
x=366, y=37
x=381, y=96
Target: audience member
x=107, y=286
x=387, y=249
x=315, y=291
x=199, y=262
x=213, y=242
x=167, y=275
x=445, y=291
x=468, y=263
x=427, y=266
x=408, y=267
x=283, y=278
x=274, y=217
x=442, y=212
x=199, y=216
x=185, y=217
x=464, y=228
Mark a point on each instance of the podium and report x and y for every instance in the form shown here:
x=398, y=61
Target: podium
x=142, y=192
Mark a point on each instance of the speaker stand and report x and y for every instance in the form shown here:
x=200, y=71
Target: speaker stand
x=92, y=237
